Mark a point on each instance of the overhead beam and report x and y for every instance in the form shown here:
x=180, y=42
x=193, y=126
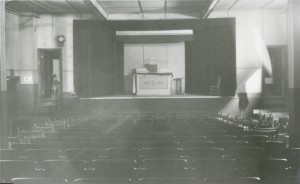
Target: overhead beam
x=141, y=8
x=42, y=6
x=135, y=16
x=233, y=4
x=76, y=9
x=152, y=25
x=13, y=11
x=267, y=4
x=210, y=9
x=23, y=14
x=97, y=9
x=165, y=9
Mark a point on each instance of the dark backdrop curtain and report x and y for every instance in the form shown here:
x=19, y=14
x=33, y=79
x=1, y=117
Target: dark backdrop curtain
x=210, y=55
x=98, y=60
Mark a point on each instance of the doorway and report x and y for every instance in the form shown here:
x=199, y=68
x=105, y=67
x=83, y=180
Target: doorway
x=278, y=82
x=50, y=72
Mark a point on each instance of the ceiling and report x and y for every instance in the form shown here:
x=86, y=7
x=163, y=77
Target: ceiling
x=139, y=9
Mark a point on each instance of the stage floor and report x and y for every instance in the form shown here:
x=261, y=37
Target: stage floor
x=179, y=96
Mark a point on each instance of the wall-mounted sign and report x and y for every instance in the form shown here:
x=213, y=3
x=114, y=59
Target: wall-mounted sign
x=27, y=80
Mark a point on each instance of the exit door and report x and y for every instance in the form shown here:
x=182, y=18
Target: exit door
x=50, y=73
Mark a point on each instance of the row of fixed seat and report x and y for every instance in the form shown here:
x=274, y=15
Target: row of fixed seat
x=165, y=180
x=127, y=168
x=237, y=131
x=148, y=142
x=198, y=149
x=99, y=131
x=87, y=134
x=238, y=153
x=157, y=144
x=171, y=125
x=215, y=136
x=220, y=129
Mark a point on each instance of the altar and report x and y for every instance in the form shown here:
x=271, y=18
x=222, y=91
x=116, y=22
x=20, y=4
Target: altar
x=152, y=83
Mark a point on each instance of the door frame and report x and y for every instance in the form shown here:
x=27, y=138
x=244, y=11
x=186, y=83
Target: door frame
x=40, y=70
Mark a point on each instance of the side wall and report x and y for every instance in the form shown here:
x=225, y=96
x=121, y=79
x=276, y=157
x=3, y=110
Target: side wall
x=4, y=124
x=50, y=26
x=25, y=35
x=255, y=30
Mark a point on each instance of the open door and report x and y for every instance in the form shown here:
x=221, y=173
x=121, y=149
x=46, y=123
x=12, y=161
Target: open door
x=276, y=84
x=50, y=73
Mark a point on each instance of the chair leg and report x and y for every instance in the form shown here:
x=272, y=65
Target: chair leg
x=214, y=92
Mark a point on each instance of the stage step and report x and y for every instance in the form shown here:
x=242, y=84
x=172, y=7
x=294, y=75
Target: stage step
x=275, y=103
x=47, y=106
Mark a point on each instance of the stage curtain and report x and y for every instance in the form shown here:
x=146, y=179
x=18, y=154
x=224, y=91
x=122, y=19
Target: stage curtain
x=211, y=55
x=98, y=60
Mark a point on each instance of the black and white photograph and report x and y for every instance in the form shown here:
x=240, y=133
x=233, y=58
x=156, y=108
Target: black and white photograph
x=149, y=91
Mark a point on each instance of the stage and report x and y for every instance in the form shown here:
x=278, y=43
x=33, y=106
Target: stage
x=99, y=107
x=177, y=96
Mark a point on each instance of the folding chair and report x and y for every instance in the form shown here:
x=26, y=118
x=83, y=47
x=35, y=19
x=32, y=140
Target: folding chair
x=102, y=181
x=96, y=145
x=205, y=153
x=168, y=180
x=242, y=153
x=230, y=144
x=293, y=154
x=23, y=147
x=159, y=153
x=17, y=169
x=191, y=138
x=161, y=144
x=112, y=168
x=39, y=181
x=222, y=138
x=44, y=140
x=232, y=180
x=128, y=144
x=134, y=138
x=122, y=153
x=265, y=168
x=62, y=145
x=42, y=154
x=164, y=168
x=255, y=138
x=284, y=180
x=83, y=154
x=161, y=139
x=215, y=89
x=64, y=169
x=199, y=144
x=204, y=168
x=10, y=154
